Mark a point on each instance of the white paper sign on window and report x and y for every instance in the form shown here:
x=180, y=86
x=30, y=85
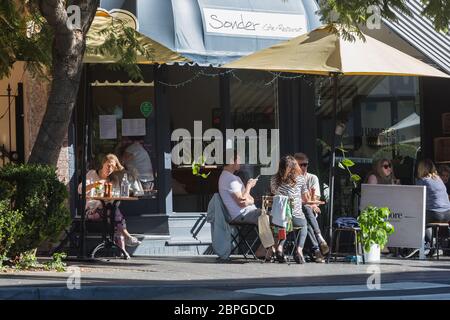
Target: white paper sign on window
x=251, y=24
x=133, y=127
x=108, y=127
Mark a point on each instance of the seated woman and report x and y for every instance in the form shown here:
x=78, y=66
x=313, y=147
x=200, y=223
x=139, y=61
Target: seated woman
x=94, y=178
x=438, y=204
x=288, y=182
x=382, y=173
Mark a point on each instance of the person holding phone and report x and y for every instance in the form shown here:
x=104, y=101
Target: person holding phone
x=236, y=196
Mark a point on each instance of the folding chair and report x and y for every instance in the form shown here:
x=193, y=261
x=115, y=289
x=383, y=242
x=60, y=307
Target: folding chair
x=243, y=232
x=239, y=239
x=436, y=239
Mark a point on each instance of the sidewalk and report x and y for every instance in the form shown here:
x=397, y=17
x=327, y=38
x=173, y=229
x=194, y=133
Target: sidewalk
x=170, y=277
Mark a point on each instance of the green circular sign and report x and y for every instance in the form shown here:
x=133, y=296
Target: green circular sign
x=146, y=108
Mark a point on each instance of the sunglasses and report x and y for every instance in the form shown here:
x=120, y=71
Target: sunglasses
x=387, y=166
x=304, y=164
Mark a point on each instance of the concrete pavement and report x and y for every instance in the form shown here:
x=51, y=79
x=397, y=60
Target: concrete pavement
x=203, y=278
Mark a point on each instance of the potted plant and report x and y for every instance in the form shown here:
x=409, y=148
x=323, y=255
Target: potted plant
x=375, y=231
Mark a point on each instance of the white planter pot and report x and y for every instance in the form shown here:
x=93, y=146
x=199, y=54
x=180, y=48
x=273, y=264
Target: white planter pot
x=374, y=254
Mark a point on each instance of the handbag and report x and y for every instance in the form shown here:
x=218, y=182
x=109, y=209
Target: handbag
x=265, y=232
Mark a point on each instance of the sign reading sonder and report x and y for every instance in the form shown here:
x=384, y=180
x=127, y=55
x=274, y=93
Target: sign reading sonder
x=407, y=205
x=249, y=23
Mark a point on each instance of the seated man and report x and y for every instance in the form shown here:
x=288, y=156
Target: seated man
x=235, y=196
x=319, y=245
x=137, y=160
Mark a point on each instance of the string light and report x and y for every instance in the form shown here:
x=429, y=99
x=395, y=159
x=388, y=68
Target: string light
x=276, y=76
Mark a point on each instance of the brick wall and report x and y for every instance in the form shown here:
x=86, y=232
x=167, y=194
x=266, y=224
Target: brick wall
x=36, y=91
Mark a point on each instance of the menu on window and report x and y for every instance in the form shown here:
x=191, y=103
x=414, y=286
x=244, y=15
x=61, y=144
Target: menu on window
x=108, y=127
x=133, y=127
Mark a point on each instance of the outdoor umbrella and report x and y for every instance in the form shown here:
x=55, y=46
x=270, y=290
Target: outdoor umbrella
x=324, y=52
x=96, y=36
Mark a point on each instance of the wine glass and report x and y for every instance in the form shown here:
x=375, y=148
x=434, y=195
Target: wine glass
x=147, y=184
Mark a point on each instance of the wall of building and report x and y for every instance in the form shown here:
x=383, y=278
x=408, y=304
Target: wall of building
x=16, y=76
x=35, y=91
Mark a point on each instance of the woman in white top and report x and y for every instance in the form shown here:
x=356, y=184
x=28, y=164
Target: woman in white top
x=94, y=210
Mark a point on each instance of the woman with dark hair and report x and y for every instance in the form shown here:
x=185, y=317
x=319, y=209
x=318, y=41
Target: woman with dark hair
x=382, y=173
x=288, y=182
x=438, y=204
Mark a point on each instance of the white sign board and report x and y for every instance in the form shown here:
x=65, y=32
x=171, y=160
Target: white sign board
x=253, y=24
x=108, y=126
x=407, y=205
x=133, y=127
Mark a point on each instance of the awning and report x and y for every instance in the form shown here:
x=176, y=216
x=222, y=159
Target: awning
x=420, y=33
x=324, y=52
x=96, y=37
x=215, y=32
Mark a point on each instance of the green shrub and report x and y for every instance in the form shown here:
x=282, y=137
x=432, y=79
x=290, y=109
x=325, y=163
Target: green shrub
x=10, y=222
x=57, y=262
x=36, y=192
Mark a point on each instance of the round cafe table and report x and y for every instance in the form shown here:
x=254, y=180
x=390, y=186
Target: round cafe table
x=109, y=203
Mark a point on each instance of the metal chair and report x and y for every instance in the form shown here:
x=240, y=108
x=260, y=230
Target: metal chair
x=239, y=239
x=435, y=227
x=335, y=243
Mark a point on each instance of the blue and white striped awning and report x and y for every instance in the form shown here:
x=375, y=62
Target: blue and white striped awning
x=419, y=31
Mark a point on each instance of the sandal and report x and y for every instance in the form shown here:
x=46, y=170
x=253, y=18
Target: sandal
x=280, y=257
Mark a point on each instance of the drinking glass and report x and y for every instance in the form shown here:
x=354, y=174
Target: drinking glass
x=116, y=192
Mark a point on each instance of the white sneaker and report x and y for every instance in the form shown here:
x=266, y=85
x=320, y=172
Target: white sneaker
x=132, y=242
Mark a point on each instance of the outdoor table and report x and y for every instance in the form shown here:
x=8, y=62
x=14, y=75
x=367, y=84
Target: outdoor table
x=110, y=203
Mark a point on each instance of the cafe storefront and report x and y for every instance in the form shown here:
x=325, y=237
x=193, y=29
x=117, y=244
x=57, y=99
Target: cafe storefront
x=381, y=114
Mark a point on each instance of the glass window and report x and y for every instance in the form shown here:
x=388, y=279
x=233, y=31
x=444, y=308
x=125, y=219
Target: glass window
x=195, y=102
x=124, y=123
x=254, y=106
x=381, y=117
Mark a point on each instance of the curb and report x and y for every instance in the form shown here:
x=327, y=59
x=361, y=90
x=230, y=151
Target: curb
x=84, y=293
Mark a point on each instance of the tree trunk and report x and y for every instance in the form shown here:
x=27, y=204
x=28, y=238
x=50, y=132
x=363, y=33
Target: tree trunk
x=68, y=50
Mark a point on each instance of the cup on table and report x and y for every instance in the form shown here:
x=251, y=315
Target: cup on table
x=116, y=192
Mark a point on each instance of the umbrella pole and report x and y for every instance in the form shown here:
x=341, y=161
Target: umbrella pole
x=332, y=161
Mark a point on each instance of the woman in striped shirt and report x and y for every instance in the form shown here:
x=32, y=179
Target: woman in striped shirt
x=288, y=182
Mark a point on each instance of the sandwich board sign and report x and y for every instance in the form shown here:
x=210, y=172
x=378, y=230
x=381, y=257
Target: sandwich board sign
x=407, y=205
